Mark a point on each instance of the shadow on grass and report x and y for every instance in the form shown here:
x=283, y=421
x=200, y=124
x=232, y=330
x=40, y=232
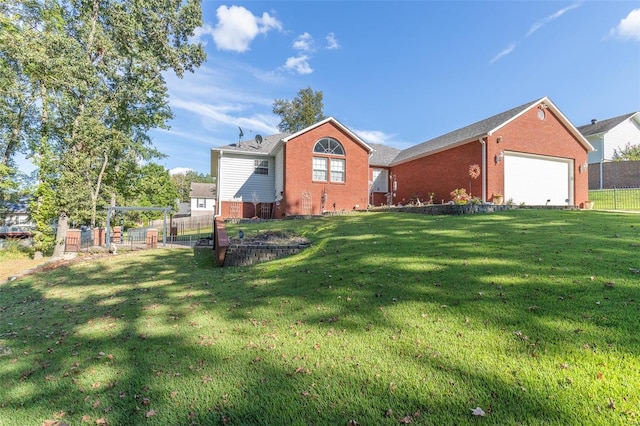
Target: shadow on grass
x=384, y=312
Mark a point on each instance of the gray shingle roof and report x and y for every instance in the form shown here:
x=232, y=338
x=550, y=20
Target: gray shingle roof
x=203, y=190
x=468, y=133
x=382, y=155
x=251, y=146
x=603, y=125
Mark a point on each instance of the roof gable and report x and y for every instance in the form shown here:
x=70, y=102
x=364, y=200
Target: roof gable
x=332, y=120
x=481, y=129
x=604, y=126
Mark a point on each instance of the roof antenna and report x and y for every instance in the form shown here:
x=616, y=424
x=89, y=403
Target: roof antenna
x=240, y=135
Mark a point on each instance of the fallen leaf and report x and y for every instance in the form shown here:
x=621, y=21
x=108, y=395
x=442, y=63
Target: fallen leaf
x=478, y=412
x=150, y=413
x=406, y=420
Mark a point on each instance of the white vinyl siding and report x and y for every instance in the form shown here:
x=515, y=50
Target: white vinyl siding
x=337, y=170
x=320, y=172
x=203, y=204
x=279, y=173
x=616, y=138
x=240, y=181
x=380, y=181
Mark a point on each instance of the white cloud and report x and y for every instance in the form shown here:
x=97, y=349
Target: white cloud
x=298, y=64
x=237, y=27
x=215, y=116
x=628, y=28
x=535, y=27
x=332, y=42
x=541, y=23
x=180, y=170
x=304, y=42
x=379, y=137
x=504, y=52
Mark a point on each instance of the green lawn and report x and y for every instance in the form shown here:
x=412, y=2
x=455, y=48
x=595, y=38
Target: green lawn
x=616, y=199
x=388, y=318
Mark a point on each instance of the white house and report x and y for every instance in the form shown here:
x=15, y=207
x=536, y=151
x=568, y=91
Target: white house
x=203, y=199
x=611, y=134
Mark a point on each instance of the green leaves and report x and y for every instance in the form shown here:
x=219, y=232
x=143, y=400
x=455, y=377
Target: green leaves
x=300, y=112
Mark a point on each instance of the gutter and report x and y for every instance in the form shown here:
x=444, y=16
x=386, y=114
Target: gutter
x=484, y=169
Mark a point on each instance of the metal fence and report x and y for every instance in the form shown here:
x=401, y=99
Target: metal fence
x=616, y=199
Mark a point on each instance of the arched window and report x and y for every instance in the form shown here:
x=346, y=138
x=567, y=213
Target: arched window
x=328, y=146
x=329, y=169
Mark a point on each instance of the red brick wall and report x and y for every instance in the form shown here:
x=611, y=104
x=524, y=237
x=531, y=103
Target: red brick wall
x=443, y=172
x=439, y=173
x=549, y=137
x=298, y=173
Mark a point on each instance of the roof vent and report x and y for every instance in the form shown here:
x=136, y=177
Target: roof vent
x=594, y=121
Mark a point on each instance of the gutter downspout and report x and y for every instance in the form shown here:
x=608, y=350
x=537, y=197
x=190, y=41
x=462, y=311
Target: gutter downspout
x=602, y=163
x=484, y=170
x=218, y=204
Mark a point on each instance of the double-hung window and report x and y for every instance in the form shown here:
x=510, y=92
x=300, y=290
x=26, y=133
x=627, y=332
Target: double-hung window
x=261, y=167
x=320, y=169
x=337, y=170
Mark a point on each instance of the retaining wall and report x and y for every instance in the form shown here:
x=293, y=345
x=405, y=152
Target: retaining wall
x=244, y=255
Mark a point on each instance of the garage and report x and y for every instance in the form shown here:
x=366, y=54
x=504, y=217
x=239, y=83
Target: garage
x=538, y=180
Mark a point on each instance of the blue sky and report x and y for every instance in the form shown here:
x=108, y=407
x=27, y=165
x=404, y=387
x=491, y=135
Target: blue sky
x=400, y=72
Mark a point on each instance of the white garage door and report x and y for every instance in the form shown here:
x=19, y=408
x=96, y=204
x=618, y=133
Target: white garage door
x=538, y=180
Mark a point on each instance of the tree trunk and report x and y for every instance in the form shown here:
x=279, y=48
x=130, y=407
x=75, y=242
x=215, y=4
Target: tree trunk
x=94, y=194
x=61, y=234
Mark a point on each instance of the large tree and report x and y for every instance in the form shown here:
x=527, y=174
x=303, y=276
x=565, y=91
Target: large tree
x=300, y=112
x=85, y=86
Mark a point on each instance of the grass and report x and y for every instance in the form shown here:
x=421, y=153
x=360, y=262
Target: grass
x=15, y=258
x=616, y=199
x=388, y=318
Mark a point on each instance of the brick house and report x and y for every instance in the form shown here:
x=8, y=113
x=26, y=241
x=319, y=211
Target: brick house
x=322, y=168
x=530, y=154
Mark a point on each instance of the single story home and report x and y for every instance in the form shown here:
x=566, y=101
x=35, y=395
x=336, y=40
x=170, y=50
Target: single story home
x=530, y=154
x=203, y=199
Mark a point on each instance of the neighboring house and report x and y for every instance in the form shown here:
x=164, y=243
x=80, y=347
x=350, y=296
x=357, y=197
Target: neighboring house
x=184, y=210
x=15, y=213
x=611, y=134
x=531, y=154
x=607, y=136
x=203, y=199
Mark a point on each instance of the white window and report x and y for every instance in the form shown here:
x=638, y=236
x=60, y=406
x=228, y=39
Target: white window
x=337, y=170
x=380, y=181
x=328, y=146
x=261, y=167
x=201, y=203
x=320, y=169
